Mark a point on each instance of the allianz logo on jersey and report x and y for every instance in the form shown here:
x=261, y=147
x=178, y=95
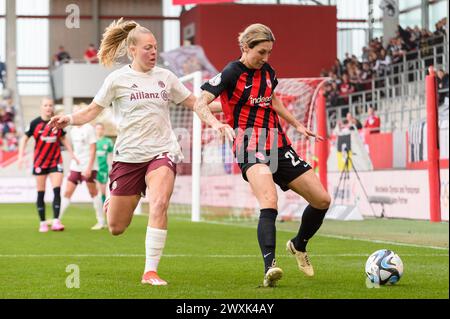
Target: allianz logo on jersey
x=260, y=100
x=48, y=139
x=141, y=95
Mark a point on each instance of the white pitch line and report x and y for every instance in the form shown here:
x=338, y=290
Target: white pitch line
x=201, y=256
x=383, y=242
x=336, y=236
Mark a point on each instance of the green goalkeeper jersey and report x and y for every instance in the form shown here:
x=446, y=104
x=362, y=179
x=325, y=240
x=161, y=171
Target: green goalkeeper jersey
x=104, y=146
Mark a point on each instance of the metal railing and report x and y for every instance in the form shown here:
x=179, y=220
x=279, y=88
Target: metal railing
x=398, y=95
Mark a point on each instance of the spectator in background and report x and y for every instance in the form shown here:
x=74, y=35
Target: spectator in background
x=365, y=54
x=372, y=123
x=332, y=94
x=347, y=60
x=2, y=73
x=346, y=88
x=2, y=122
x=334, y=78
x=407, y=37
x=398, y=50
x=353, y=71
x=442, y=80
x=12, y=142
x=90, y=55
x=366, y=75
x=440, y=27
x=382, y=64
x=7, y=114
x=352, y=123
x=62, y=56
x=337, y=67
x=10, y=111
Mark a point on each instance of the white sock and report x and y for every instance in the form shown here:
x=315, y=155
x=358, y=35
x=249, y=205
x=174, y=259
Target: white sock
x=65, y=202
x=98, y=206
x=155, y=241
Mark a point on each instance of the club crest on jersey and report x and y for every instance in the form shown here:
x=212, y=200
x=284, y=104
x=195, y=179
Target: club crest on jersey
x=161, y=84
x=215, y=81
x=164, y=95
x=269, y=83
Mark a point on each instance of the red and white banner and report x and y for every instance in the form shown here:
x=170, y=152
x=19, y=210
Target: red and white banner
x=183, y=2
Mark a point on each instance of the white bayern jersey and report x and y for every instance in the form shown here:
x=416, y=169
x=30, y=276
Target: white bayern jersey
x=82, y=138
x=141, y=106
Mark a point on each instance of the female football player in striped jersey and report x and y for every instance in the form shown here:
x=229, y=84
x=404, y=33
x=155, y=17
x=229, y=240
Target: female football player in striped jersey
x=47, y=161
x=146, y=150
x=263, y=151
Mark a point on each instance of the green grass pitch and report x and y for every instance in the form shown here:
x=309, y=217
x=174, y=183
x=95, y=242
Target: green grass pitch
x=210, y=260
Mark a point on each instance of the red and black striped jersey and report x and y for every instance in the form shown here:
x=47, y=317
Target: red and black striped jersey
x=47, y=149
x=246, y=97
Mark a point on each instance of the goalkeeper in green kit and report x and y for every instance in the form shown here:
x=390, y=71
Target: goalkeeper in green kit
x=105, y=147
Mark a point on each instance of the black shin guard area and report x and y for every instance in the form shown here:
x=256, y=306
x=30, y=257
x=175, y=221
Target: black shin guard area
x=311, y=221
x=267, y=235
x=41, y=205
x=56, y=201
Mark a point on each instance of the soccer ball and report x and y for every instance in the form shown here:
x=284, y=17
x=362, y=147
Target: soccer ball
x=384, y=267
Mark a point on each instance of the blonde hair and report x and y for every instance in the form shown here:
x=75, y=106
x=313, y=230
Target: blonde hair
x=117, y=38
x=255, y=34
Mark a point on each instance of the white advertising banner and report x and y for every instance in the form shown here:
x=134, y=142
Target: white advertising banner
x=444, y=194
x=404, y=193
x=23, y=190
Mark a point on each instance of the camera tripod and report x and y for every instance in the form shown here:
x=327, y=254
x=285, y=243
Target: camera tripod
x=345, y=176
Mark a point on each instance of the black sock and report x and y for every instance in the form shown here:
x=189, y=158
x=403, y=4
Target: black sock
x=267, y=235
x=56, y=201
x=312, y=219
x=41, y=205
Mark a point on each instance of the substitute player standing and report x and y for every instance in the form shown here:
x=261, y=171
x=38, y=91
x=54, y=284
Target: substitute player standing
x=105, y=147
x=47, y=161
x=146, y=149
x=263, y=151
x=85, y=170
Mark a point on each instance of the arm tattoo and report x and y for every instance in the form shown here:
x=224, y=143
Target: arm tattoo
x=203, y=111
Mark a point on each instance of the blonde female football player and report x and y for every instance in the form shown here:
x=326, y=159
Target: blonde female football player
x=146, y=150
x=263, y=150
